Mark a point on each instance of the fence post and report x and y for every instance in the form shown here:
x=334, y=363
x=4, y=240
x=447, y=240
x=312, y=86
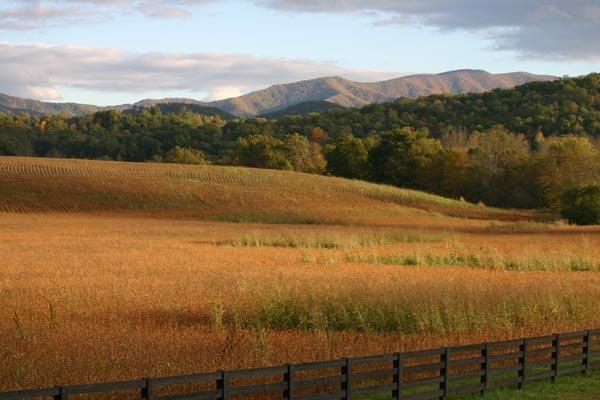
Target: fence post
x=555, y=356
x=223, y=385
x=586, y=361
x=397, y=392
x=485, y=378
x=288, y=377
x=347, y=382
x=62, y=394
x=522, y=363
x=444, y=374
x=146, y=391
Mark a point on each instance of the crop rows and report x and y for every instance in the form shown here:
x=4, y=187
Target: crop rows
x=54, y=185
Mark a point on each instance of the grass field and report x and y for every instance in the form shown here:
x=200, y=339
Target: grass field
x=113, y=271
x=567, y=388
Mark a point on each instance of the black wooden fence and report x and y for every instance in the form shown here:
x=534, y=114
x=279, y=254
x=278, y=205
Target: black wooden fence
x=418, y=375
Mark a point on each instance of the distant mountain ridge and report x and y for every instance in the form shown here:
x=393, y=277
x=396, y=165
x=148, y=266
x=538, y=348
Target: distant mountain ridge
x=15, y=105
x=348, y=93
x=336, y=90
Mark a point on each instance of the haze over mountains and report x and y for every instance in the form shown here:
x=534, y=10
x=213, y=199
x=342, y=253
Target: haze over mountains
x=336, y=90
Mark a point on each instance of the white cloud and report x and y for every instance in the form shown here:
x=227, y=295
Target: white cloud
x=39, y=71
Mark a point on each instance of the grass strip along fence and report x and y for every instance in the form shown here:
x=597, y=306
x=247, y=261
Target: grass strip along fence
x=418, y=375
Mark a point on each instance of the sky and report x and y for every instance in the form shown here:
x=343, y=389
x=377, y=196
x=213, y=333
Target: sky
x=110, y=52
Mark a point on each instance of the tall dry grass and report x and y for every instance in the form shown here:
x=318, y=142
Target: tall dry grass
x=92, y=298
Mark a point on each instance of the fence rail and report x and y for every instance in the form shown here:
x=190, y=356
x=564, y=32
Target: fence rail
x=417, y=375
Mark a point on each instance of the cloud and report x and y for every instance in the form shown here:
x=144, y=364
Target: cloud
x=37, y=15
x=169, y=9
x=546, y=29
x=39, y=71
x=224, y=92
x=44, y=14
x=555, y=29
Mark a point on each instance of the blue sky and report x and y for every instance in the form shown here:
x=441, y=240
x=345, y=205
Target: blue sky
x=116, y=51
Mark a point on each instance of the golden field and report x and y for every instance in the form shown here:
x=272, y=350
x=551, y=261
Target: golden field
x=113, y=271
x=218, y=193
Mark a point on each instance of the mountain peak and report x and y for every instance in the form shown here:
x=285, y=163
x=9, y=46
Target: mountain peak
x=332, y=89
x=347, y=93
x=466, y=71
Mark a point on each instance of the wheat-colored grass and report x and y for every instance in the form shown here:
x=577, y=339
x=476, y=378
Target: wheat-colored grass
x=92, y=289
x=92, y=298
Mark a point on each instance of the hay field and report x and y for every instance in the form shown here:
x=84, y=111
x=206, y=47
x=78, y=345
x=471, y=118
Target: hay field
x=93, y=289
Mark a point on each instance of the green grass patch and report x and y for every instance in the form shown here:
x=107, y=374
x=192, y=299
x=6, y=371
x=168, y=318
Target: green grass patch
x=522, y=226
x=473, y=260
x=574, y=387
x=267, y=217
x=363, y=311
x=328, y=240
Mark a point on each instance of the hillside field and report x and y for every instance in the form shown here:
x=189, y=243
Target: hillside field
x=114, y=271
x=42, y=185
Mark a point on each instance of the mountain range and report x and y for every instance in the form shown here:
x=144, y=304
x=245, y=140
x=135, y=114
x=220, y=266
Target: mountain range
x=316, y=93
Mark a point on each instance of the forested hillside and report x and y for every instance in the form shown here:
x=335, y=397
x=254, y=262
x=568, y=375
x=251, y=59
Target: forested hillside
x=555, y=108
x=15, y=105
x=305, y=108
x=519, y=147
x=175, y=108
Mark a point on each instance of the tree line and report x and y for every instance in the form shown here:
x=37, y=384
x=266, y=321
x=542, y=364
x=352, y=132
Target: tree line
x=521, y=147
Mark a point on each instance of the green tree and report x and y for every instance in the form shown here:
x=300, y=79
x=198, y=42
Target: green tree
x=348, y=157
x=447, y=174
x=261, y=151
x=581, y=206
x=404, y=156
x=494, y=157
x=565, y=163
x=181, y=155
